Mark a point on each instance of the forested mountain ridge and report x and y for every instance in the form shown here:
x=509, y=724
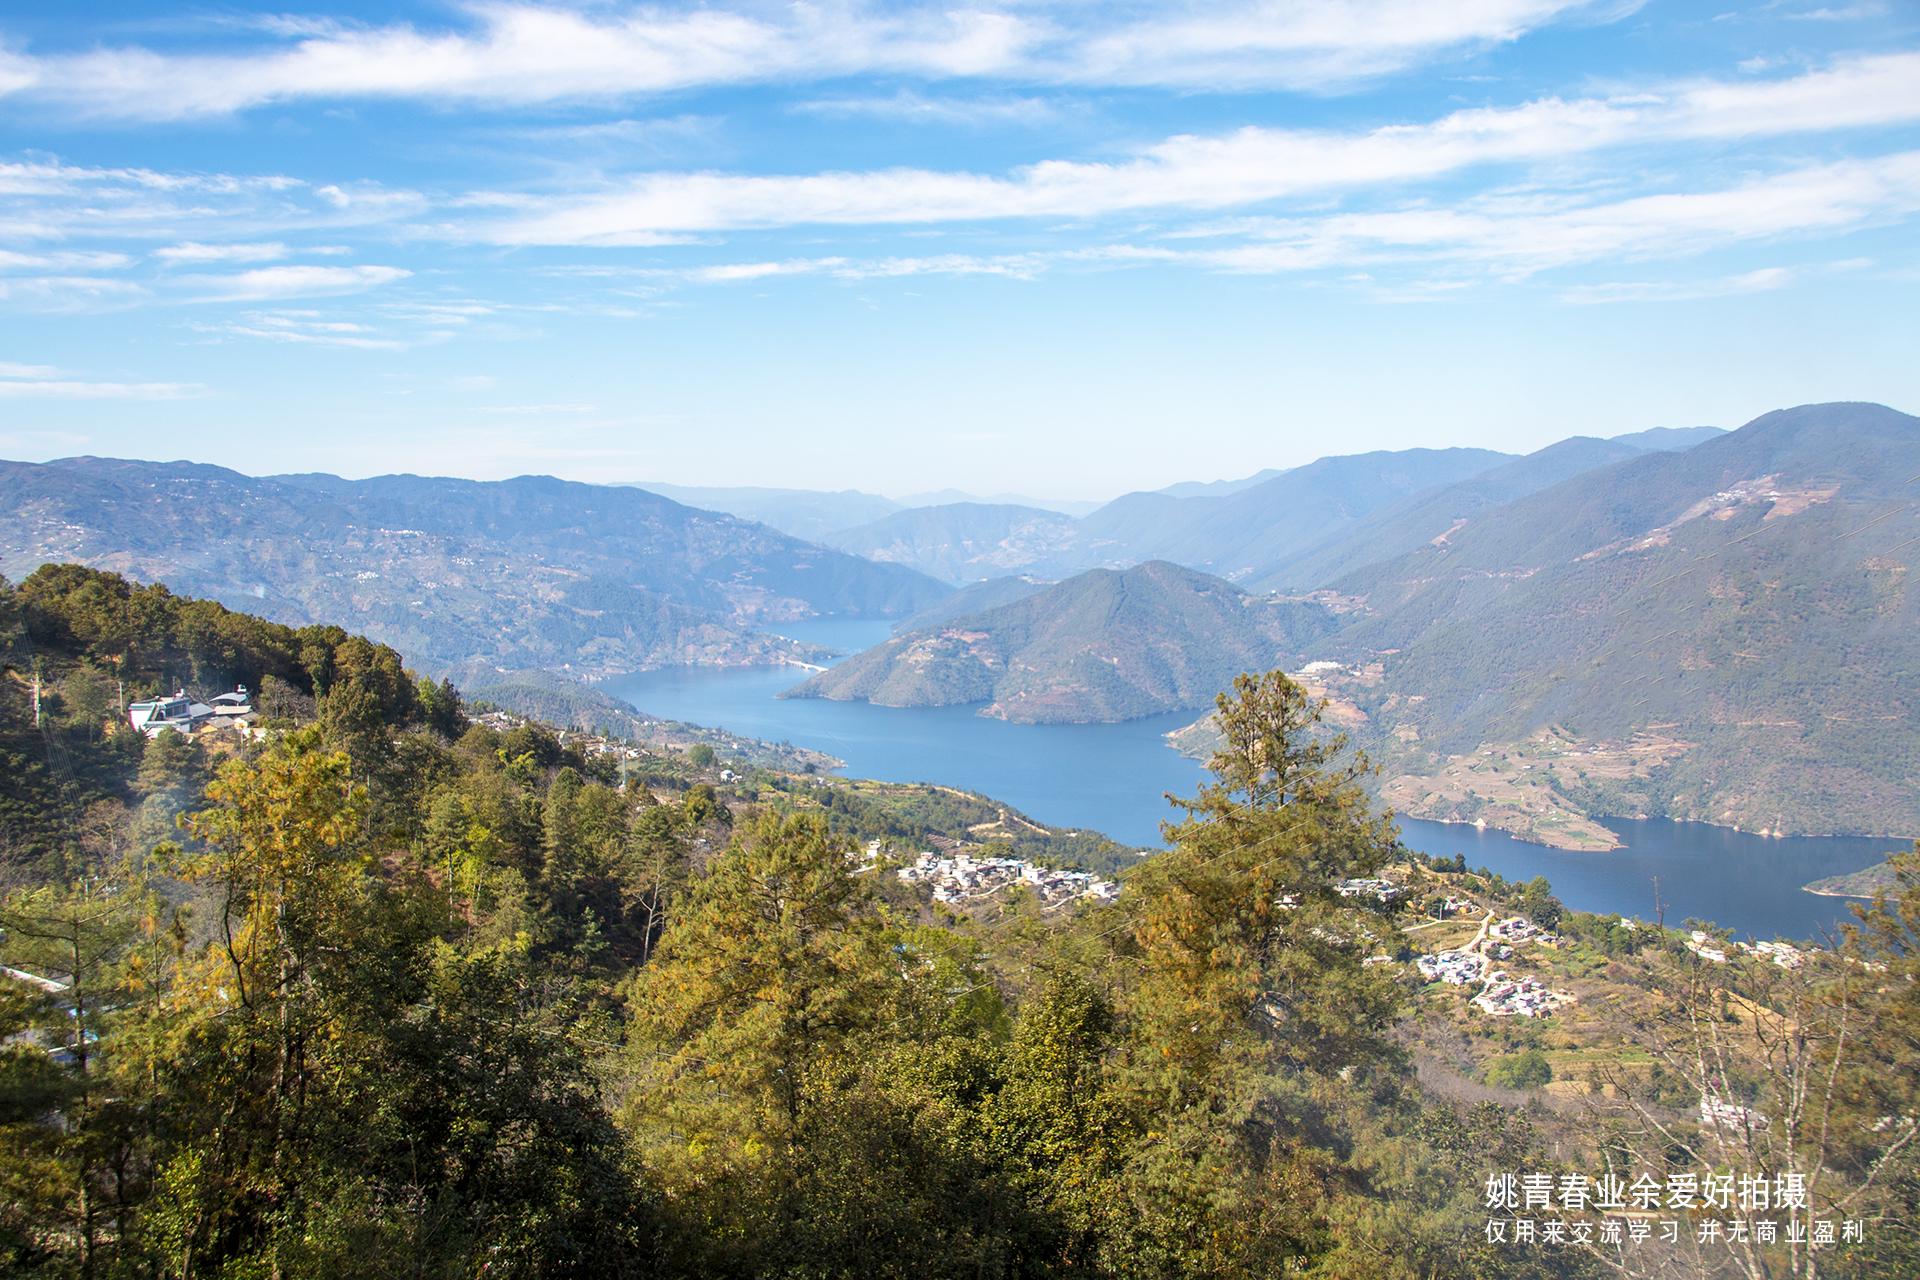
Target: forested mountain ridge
x=1104, y=645
x=531, y=572
x=1744, y=609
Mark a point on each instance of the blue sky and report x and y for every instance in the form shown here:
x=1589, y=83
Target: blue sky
x=1055, y=247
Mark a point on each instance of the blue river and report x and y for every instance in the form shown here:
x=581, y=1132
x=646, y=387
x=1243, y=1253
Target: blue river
x=1114, y=778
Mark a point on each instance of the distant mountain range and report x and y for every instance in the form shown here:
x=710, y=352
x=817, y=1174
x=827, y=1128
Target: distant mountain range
x=805, y=513
x=1684, y=622
x=1239, y=530
x=968, y=541
x=1429, y=517
x=814, y=514
x=1105, y=645
x=1720, y=627
x=1243, y=534
x=1669, y=439
x=1255, y=530
x=1742, y=609
x=456, y=574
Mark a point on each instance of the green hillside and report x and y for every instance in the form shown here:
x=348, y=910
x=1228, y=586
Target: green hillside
x=1105, y=645
x=1865, y=883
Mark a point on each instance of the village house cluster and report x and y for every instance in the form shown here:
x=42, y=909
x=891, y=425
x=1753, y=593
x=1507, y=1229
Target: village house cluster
x=1456, y=968
x=959, y=876
x=1507, y=997
x=1384, y=892
x=1519, y=929
x=1708, y=948
x=1502, y=995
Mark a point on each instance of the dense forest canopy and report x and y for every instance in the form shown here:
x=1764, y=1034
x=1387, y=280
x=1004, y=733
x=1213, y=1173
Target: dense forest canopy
x=382, y=990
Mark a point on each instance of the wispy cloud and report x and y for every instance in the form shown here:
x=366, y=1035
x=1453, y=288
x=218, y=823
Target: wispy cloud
x=1818, y=198
x=195, y=252
x=518, y=54
x=1491, y=238
x=1760, y=280
x=1023, y=266
x=304, y=328
x=267, y=283
x=62, y=260
x=44, y=198
x=70, y=293
x=1247, y=166
x=27, y=382
x=907, y=106
x=1763, y=280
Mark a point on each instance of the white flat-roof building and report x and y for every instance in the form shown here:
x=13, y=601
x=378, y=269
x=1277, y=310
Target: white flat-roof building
x=178, y=713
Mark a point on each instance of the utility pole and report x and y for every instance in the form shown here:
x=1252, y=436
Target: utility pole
x=1659, y=911
x=36, y=696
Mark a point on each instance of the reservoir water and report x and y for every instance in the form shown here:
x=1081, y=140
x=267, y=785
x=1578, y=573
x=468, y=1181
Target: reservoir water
x=1113, y=778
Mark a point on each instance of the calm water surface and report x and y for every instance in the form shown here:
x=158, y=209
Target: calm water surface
x=1113, y=777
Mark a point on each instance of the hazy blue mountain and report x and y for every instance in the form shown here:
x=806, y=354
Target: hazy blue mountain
x=1105, y=645
x=1669, y=438
x=529, y=572
x=804, y=513
x=1219, y=488
x=1424, y=517
x=948, y=497
x=966, y=541
x=976, y=598
x=1750, y=599
x=1245, y=535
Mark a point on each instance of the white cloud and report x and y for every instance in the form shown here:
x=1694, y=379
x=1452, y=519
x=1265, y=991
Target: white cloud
x=518, y=53
x=193, y=251
x=1839, y=13
x=266, y=283
x=66, y=389
x=10, y=369
x=69, y=293
x=1255, y=45
x=45, y=199
x=1248, y=166
x=1495, y=236
x=1763, y=280
x=905, y=106
x=1824, y=199
x=304, y=328
x=1020, y=266
x=62, y=260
